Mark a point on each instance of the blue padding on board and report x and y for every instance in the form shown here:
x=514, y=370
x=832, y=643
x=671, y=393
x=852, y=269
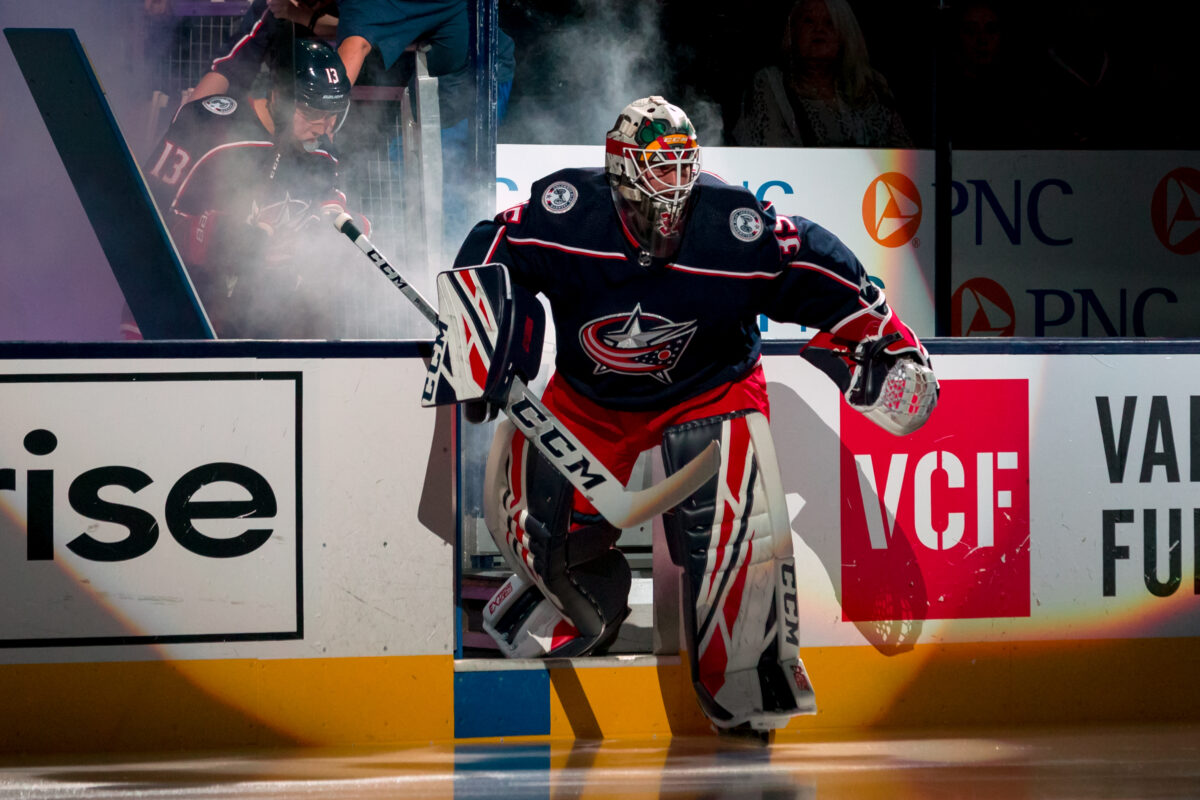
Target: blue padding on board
x=501, y=703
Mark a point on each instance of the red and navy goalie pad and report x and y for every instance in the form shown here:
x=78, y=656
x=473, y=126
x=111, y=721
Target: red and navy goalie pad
x=647, y=334
x=217, y=176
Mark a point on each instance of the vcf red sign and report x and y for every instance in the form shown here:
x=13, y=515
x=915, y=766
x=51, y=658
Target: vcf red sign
x=935, y=525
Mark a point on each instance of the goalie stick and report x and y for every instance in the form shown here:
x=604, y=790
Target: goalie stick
x=620, y=506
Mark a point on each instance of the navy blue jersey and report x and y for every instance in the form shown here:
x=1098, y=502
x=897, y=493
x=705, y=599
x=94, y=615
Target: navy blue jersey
x=649, y=337
x=245, y=213
x=217, y=158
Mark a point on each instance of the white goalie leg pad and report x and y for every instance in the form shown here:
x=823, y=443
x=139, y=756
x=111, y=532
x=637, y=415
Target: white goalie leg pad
x=570, y=588
x=499, y=502
x=734, y=542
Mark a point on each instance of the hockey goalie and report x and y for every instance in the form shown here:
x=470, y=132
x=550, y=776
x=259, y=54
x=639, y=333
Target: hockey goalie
x=655, y=274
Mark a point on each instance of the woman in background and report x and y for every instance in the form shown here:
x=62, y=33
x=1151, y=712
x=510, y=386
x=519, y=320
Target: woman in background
x=824, y=92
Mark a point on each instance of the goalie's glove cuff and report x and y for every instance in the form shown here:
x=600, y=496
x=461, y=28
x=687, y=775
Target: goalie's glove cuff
x=871, y=366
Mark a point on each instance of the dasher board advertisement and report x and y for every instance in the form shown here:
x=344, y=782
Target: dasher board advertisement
x=223, y=500
x=171, y=497
x=1049, y=496
x=1067, y=243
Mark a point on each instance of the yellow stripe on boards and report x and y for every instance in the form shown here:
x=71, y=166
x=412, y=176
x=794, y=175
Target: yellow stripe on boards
x=224, y=703
x=232, y=703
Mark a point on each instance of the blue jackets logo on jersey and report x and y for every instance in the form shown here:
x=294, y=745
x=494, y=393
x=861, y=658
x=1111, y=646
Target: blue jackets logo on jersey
x=636, y=343
x=220, y=105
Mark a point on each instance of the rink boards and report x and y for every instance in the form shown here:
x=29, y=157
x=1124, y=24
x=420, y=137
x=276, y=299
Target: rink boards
x=226, y=543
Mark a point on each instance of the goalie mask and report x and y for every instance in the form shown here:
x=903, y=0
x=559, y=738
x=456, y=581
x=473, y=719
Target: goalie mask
x=652, y=160
x=310, y=93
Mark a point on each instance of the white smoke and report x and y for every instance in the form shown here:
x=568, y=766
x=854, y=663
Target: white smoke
x=598, y=62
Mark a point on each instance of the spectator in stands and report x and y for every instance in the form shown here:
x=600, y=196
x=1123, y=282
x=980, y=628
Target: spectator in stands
x=987, y=90
x=389, y=27
x=823, y=92
x=261, y=28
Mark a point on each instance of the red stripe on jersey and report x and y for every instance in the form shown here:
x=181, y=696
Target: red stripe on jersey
x=513, y=213
x=241, y=42
x=828, y=273
x=491, y=253
x=722, y=273
x=565, y=249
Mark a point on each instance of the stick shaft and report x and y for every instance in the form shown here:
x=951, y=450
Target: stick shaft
x=345, y=224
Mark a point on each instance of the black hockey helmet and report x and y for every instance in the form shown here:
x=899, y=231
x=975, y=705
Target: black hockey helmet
x=310, y=75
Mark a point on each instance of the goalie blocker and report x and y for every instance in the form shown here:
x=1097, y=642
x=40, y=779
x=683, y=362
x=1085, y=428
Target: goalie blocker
x=496, y=337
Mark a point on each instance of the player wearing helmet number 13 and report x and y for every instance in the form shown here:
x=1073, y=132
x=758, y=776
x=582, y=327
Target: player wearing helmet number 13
x=655, y=275
x=237, y=182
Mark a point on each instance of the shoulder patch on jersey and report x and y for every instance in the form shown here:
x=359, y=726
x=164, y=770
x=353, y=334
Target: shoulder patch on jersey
x=746, y=224
x=560, y=197
x=220, y=105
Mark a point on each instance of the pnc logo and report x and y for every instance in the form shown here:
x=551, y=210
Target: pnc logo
x=891, y=209
x=981, y=307
x=935, y=525
x=1173, y=210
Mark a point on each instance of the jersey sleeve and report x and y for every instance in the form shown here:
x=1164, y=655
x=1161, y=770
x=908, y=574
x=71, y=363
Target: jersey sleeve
x=241, y=63
x=488, y=243
x=823, y=285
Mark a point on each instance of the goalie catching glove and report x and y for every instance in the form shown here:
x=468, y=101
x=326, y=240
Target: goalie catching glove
x=886, y=378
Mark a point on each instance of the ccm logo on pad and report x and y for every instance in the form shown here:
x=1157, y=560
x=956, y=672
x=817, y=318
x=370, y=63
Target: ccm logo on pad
x=935, y=525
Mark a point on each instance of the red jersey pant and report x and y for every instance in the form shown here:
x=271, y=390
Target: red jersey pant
x=618, y=437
